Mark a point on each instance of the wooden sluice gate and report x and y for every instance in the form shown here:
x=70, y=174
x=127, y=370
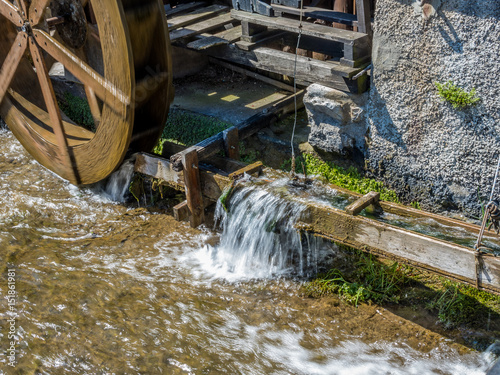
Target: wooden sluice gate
x=204, y=179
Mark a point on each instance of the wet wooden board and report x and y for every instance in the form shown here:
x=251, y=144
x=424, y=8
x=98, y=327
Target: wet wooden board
x=416, y=249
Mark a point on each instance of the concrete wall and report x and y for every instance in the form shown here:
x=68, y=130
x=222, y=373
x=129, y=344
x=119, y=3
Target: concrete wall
x=421, y=146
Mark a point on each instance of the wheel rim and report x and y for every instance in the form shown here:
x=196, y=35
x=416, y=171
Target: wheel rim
x=29, y=106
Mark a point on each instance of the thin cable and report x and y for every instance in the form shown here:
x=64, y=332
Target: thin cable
x=295, y=87
x=485, y=217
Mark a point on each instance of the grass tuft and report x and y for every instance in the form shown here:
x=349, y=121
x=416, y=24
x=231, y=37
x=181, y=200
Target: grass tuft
x=456, y=96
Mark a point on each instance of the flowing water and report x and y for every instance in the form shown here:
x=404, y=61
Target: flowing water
x=102, y=287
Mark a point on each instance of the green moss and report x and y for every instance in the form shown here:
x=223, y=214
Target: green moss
x=349, y=179
x=456, y=96
x=188, y=128
x=78, y=110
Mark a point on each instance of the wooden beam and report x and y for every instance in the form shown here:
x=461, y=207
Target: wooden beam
x=355, y=208
x=311, y=29
x=192, y=183
x=214, y=144
x=320, y=13
x=328, y=73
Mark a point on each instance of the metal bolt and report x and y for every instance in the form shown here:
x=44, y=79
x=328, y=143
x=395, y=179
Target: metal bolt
x=194, y=166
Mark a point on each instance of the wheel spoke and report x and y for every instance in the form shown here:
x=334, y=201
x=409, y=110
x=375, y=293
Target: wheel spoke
x=104, y=89
x=21, y=4
x=52, y=108
x=37, y=9
x=10, y=12
x=11, y=62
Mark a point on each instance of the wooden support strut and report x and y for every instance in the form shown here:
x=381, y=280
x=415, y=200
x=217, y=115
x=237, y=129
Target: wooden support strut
x=231, y=143
x=192, y=183
x=355, y=208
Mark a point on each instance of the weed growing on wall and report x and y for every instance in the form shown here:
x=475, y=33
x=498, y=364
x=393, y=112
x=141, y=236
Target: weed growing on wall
x=456, y=96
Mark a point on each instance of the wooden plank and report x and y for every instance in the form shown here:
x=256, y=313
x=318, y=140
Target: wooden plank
x=328, y=73
x=192, y=183
x=159, y=168
x=184, y=8
x=254, y=75
x=318, y=31
x=320, y=13
x=201, y=27
x=206, y=41
x=195, y=16
x=355, y=208
x=231, y=143
x=429, y=253
x=255, y=168
x=364, y=16
x=214, y=144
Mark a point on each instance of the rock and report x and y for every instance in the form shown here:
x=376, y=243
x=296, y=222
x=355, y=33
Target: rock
x=337, y=119
x=3, y=125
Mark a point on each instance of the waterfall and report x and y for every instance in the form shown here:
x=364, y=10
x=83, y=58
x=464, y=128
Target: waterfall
x=259, y=238
x=117, y=184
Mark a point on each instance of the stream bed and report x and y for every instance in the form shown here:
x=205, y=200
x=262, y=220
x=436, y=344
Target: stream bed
x=104, y=287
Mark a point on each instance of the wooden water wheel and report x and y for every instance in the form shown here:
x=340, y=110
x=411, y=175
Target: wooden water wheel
x=117, y=52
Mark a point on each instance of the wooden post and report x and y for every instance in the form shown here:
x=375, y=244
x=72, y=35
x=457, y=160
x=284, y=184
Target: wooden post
x=355, y=208
x=181, y=211
x=363, y=12
x=232, y=143
x=193, y=188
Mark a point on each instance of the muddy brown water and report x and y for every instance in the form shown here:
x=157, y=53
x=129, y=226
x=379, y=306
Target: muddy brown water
x=107, y=288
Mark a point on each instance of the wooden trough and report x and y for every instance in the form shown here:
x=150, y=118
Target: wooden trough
x=204, y=183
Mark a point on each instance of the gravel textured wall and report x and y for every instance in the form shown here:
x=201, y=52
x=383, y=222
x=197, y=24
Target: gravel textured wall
x=421, y=146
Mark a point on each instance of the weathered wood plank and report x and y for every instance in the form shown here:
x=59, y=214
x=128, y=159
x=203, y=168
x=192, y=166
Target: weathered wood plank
x=328, y=73
x=355, y=208
x=201, y=27
x=429, y=253
x=195, y=16
x=318, y=31
x=192, y=183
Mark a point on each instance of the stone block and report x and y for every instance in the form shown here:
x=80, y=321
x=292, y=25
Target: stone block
x=337, y=119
